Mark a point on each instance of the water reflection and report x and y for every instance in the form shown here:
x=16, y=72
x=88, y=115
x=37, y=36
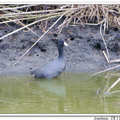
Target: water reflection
x=70, y=93
x=51, y=86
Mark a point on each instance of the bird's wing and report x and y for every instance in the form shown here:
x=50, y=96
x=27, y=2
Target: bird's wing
x=53, y=68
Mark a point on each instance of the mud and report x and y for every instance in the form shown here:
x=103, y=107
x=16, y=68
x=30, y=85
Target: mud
x=84, y=53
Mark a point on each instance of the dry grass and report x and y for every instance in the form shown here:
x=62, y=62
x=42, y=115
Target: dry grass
x=108, y=15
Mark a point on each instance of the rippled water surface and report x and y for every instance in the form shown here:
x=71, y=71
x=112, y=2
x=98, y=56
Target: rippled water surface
x=70, y=93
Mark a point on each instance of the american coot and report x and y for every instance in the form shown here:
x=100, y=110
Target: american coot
x=55, y=67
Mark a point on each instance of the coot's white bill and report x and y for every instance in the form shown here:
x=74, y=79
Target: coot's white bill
x=65, y=43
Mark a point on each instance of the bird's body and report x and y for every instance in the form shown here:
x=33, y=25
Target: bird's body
x=50, y=70
x=54, y=68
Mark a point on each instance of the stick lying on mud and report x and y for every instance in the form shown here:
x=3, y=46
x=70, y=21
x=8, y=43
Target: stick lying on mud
x=111, y=68
x=106, y=56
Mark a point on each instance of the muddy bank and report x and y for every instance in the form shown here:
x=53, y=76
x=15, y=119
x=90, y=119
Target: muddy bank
x=84, y=53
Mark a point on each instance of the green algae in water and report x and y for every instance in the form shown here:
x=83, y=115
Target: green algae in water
x=70, y=93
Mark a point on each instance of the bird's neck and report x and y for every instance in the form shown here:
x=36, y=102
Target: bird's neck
x=60, y=50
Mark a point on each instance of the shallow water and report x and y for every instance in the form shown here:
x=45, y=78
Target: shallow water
x=70, y=93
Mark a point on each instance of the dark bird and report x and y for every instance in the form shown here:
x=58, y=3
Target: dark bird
x=55, y=67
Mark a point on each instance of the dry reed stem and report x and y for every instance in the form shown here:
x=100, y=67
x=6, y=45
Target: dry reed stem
x=108, y=69
x=33, y=16
x=115, y=61
x=106, y=57
x=116, y=91
x=35, y=12
x=113, y=85
x=24, y=6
